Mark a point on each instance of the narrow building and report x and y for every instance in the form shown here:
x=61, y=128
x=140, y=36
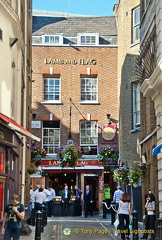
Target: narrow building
x=15, y=99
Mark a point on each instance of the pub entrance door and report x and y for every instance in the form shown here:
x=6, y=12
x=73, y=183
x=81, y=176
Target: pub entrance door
x=92, y=181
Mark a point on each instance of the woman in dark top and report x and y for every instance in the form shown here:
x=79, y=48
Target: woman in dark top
x=151, y=216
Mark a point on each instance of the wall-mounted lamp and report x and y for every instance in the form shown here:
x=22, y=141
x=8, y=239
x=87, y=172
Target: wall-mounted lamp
x=112, y=165
x=12, y=41
x=34, y=115
x=33, y=142
x=108, y=117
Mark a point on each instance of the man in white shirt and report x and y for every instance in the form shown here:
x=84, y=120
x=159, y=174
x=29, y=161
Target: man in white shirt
x=39, y=198
x=50, y=203
x=117, y=195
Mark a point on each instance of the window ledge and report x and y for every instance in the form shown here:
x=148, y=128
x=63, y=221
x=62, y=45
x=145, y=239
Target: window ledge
x=89, y=103
x=51, y=102
x=135, y=130
x=88, y=157
x=135, y=43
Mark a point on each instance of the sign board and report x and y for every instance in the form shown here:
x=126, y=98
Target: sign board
x=35, y=124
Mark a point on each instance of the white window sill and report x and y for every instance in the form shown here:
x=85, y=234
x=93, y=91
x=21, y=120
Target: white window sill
x=51, y=102
x=89, y=103
x=135, y=130
x=135, y=43
x=89, y=157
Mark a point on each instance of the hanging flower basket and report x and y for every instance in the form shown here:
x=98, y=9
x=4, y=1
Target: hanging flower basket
x=121, y=175
x=137, y=172
x=105, y=153
x=32, y=168
x=68, y=155
x=36, y=154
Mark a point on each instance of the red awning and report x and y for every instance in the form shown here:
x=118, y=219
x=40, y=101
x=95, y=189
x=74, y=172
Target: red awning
x=17, y=127
x=72, y=171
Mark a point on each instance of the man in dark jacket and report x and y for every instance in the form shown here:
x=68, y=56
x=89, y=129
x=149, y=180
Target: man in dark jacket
x=65, y=198
x=88, y=201
x=78, y=194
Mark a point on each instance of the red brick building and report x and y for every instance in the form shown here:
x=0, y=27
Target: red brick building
x=74, y=89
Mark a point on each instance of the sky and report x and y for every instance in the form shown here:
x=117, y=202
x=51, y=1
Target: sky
x=84, y=7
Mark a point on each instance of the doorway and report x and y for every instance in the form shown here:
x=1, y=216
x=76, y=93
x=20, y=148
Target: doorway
x=93, y=183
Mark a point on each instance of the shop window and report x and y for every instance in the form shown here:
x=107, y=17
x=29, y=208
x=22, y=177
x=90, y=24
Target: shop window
x=136, y=105
x=89, y=137
x=51, y=136
x=89, y=91
x=136, y=24
x=88, y=39
x=51, y=89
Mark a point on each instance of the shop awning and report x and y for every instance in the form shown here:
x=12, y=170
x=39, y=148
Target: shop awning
x=17, y=127
x=157, y=150
x=87, y=169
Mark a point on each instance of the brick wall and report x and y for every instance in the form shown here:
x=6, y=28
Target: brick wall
x=127, y=55
x=106, y=71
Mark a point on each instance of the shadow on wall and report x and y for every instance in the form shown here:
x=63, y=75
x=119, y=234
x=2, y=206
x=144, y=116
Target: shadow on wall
x=42, y=113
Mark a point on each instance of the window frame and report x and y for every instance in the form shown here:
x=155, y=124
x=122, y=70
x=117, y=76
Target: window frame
x=47, y=146
x=54, y=92
x=91, y=129
x=86, y=35
x=85, y=92
x=54, y=36
x=136, y=90
x=135, y=25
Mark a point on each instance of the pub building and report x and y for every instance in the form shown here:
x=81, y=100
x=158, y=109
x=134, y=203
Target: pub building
x=74, y=98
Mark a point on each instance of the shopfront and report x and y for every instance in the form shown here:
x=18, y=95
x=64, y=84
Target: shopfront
x=11, y=160
x=88, y=172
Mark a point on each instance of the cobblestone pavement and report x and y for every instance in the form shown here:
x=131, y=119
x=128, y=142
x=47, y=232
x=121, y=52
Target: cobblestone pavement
x=78, y=228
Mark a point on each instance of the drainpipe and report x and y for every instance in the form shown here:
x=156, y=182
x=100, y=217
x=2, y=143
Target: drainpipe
x=24, y=109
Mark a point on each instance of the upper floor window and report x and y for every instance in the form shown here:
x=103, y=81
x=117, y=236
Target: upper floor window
x=89, y=89
x=88, y=38
x=47, y=40
x=51, y=89
x=51, y=136
x=88, y=137
x=136, y=105
x=136, y=24
x=51, y=39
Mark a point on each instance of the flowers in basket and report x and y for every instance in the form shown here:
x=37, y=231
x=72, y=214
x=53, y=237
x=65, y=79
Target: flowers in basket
x=36, y=154
x=32, y=168
x=121, y=175
x=68, y=155
x=105, y=153
x=137, y=171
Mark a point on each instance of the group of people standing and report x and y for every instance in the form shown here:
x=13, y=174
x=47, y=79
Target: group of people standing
x=14, y=212
x=39, y=196
x=124, y=214
x=87, y=200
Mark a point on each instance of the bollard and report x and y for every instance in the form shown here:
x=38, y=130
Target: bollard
x=104, y=208
x=112, y=212
x=38, y=225
x=135, y=224
x=159, y=228
x=44, y=216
